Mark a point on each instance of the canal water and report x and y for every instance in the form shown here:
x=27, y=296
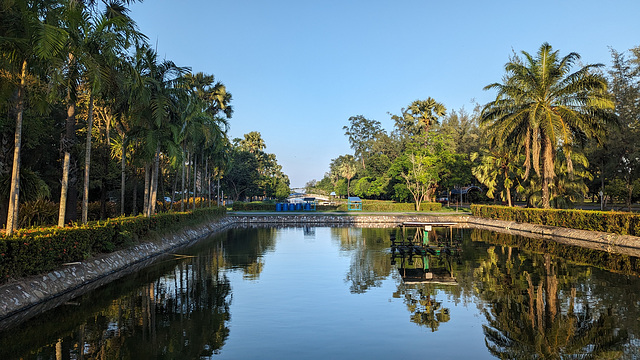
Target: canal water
x=345, y=293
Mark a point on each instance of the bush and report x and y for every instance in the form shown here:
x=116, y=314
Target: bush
x=608, y=221
x=32, y=251
x=38, y=213
x=253, y=206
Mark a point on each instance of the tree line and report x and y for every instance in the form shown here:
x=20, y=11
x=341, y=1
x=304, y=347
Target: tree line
x=91, y=113
x=557, y=132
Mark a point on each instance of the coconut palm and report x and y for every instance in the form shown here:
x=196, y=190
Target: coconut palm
x=541, y=105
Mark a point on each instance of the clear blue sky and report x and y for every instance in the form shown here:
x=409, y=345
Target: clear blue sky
x=299, y=69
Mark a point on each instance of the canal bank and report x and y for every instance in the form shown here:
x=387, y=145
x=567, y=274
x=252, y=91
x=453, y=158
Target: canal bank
x=27, y=297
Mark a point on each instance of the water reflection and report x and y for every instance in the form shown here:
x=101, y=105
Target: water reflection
x=530, y=302
x=182, y=311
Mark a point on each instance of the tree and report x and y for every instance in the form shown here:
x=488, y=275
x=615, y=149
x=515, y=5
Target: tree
x=421, y=175
x=105, y=41
x=347, y=170
x=418, y=118
x=27, y=39
x=362, y=134
x=497, y=171
x=541, y=105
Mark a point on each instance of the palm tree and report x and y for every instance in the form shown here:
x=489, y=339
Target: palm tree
x=542, y=105
x=107, y=37
x=26, y=38
x=348, y=170
x=497, y=169
x=157, y=111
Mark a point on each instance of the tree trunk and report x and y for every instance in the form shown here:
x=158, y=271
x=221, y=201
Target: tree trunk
x=134, y=204
x=206, y=169
x=69, y=165
x=147, y=180
x=87, y=162
x=153, y=189
x=63, y=189
x=548, y=173
x=183, y=188
x=14, y=196
x=123, y=168
x=195, y=180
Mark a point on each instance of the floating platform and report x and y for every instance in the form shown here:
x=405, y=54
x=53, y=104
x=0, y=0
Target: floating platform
x=419, y=276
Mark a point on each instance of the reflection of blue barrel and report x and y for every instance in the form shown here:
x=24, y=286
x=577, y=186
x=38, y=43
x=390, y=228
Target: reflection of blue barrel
x=292, y=207
x=278, y=207
x=298, y=207
x=307, y=207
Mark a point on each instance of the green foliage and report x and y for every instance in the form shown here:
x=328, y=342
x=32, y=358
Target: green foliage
x=33, y=251
x=253, y=206
x=608, y=221
x=541, y=106
x=38, y=213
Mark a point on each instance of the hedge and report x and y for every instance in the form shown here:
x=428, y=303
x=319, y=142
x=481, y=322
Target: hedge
x=367, y=205
x=622, y=223
x=33, y=251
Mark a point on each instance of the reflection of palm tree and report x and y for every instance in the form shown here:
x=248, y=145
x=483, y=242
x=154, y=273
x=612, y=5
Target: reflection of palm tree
x=531, y=322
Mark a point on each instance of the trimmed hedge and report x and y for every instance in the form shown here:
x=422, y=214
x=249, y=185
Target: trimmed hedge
x=33, y=251
x=253, y=206
x=622, y=223
x=367, y=205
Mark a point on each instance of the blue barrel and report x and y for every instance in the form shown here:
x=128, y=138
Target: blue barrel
x=307, y=207
x=284, y=206
x=292, y=207
x=278, y=207
x=298, y=207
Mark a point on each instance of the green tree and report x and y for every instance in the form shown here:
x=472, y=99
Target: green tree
x=362, y=134
x=417, y=119
x=541, y=105
x=497, y=170
x=347, y=170
x=29, y=40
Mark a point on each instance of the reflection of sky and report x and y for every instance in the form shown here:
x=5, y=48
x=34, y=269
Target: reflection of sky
x=302, y=307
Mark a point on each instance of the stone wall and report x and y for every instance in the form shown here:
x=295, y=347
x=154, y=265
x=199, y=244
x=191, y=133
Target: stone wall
x=29, y=296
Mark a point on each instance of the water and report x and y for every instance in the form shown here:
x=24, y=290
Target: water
x=320, y=292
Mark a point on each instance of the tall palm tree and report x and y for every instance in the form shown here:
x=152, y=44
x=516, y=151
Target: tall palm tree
x=541, y=105
x=28, y=41
x=106, y=40
x=158, y=110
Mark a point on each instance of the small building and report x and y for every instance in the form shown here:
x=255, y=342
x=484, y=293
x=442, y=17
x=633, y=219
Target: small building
x=309, y=204
x=354, y=203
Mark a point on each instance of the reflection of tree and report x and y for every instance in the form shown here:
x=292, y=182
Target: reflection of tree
x=536, y=314
x=182, y=313
x=245, y=248
x=369, y=261
x=421, y=302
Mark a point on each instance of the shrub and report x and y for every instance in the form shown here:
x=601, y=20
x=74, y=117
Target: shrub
x=38, y=213
x=253, y=206
x=608, y=221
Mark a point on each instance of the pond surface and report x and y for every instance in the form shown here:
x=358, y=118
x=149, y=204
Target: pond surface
x=338, y=293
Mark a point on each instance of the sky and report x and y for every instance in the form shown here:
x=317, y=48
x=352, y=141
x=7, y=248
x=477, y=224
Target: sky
x=299, y=69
